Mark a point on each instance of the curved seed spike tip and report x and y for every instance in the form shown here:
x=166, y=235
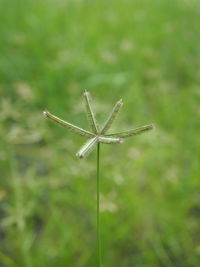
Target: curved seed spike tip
x=136, y=131
x=68, y=125
x=87, y=148
x=45, y=113
x=90, y=114
x=112, y=116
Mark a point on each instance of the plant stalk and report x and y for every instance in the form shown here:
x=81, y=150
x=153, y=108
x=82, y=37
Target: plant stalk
x=98, y=209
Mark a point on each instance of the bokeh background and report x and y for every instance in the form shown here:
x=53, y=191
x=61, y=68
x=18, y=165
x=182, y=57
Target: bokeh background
x=146, y=52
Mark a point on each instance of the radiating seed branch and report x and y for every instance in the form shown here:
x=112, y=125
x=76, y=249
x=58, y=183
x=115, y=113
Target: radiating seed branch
x=68, y=125
x=90, y=114
x=112, y=116
x=132, y=132
x=110, y=140
x=87, y=148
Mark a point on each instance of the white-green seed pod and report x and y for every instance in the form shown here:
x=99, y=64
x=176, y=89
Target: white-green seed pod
x=110, y=140
x=87, y=148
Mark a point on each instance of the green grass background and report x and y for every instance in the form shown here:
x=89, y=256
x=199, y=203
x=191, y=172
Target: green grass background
x=146, y=52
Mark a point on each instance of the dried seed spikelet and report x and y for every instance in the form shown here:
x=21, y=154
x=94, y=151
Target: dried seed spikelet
x=90, y=114
x=110, y=140
x=133, y=132
x=87, y=148
x=112, y=116
x=68, y=125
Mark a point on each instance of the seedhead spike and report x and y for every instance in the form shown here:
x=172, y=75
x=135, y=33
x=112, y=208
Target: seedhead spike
x=132, y=132
x=87, y=147
x=112, y=116
x=68, y=125
x=90, y=114
x=110, y=140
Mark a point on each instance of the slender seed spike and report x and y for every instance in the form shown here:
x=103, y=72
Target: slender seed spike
x=87, y=148
x=110, y=140
x=68, y=125
x=90, y=114
x=112, y=116
x=132, y=132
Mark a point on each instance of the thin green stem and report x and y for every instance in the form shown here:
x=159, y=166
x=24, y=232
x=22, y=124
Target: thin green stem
x=98, y=210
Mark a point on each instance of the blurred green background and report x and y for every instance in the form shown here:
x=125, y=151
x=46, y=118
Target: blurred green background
x=145, y=52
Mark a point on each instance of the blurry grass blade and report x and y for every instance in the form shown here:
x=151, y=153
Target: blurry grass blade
x=110, y=140
x=87, y=148
x=68, y=125
x=112, y=116
x=90, y=114
x=133, y=132
x=5, y=259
